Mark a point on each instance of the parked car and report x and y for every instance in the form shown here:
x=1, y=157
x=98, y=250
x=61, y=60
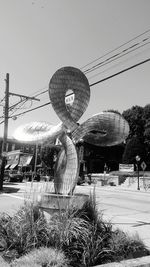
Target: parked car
x=15, y=175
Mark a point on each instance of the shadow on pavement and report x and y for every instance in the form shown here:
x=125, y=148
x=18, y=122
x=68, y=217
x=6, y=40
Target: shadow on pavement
x=141, y=223
x=8, y=189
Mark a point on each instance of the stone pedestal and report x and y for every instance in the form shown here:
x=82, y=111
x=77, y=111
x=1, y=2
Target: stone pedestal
x=52, y=203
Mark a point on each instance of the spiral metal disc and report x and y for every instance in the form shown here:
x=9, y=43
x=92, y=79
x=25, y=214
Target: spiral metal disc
x=103, y=129
x=64, y=79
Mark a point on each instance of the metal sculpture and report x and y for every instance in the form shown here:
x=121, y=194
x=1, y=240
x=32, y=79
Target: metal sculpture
x=103, y=129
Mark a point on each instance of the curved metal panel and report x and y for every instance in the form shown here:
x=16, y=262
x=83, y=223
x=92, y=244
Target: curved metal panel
x=64, y=79
x=103, y=129
x=66, y=170
x=38, y=132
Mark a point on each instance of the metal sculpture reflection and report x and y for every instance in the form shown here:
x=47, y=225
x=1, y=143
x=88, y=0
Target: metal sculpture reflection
x=103, y=129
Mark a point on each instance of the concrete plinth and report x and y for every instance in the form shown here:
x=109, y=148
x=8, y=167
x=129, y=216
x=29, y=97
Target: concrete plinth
x=52, y=203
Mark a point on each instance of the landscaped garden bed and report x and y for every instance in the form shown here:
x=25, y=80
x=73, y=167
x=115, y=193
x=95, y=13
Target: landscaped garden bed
x=69, y=238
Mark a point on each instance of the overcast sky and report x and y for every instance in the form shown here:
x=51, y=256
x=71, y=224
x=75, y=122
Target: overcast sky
x=38, y=37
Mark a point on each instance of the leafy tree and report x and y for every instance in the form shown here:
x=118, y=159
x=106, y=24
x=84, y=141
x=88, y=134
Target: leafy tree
x=48, y=154
x=146, y=113
x=147, y=131
x=133, y=148
x=146, y=117
x=134, y=116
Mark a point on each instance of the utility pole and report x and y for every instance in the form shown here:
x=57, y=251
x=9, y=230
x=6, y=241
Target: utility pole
x=6, y=117
x=5, y=131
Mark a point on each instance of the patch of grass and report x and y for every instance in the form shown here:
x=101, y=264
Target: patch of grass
x=45, y=257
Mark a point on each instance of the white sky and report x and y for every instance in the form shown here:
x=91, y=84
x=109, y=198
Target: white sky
x=39, y=36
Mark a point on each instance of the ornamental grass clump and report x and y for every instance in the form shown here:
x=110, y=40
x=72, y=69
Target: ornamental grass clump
x=42, y=257
x=82, y=235
x=127, y=246
x=24, y=231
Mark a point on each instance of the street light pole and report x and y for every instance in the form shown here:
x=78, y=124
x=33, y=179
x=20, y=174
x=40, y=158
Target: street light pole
x=138, y=180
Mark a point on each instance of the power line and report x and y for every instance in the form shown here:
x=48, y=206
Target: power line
x=117, y=56
x=2, y=100
x=108, y=53
x=32, y=109
x=41, y=92
x=115, y=65
x=113, y=75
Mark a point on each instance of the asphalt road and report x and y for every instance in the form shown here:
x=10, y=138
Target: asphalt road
x=126, y=209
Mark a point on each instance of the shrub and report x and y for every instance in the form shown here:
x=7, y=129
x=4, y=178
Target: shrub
x=127, y=247
x=42, y=257
x=24, y=231
x=81, y=234
x=69, y=234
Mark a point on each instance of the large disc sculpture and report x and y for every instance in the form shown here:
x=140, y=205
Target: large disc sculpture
x=103, y=129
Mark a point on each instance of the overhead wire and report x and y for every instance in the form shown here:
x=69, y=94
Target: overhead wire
x=124, y=70
x=117, y=64
x=1, y=101
x=113, y=50
x=117, y=56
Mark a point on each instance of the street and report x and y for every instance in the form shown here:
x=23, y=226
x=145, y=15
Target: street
x=125, y=209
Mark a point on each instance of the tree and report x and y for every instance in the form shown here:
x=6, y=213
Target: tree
x=146, y=113
x=134, y=117
x=133, y=148
x=48, y=154
x=146, y=117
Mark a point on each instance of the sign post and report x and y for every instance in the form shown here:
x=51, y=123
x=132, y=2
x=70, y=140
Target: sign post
x=143, y=166
x=138, y=162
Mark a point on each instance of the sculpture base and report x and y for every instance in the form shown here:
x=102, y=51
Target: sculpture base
x=52, y=203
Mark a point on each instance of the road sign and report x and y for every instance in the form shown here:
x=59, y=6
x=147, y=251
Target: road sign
x=126, y=167
x=143, y=166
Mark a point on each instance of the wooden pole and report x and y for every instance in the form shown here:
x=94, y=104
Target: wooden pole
x=6, y=113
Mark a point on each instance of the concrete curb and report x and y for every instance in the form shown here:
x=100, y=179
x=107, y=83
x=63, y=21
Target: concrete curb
x=138, y=262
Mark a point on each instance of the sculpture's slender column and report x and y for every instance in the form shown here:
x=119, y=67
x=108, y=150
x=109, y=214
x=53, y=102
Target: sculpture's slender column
x=66, y=170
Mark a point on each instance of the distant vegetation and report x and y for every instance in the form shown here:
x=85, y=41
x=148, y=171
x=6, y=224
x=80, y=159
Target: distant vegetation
x=138, y=141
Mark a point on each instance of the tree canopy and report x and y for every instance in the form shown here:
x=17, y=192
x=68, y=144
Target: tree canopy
x=138, y=141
